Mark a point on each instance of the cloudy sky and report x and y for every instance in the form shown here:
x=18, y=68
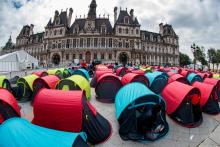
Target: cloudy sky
x=193, y=20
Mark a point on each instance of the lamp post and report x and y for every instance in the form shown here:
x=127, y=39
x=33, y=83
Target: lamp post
x=194, y=51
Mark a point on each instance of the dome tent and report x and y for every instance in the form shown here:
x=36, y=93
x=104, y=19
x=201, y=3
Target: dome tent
x=82, y=72
x=25, y=87
x=48, y=82
x=98, y=74
x=8, y=106
x=131, y=77
x=121, y=71
x=183, y=106
x=107, y=87
x=75, y=82
x=4, y=83
x=157, y=80
x=179, y=78
x=54, y=109
x=140, y=113
x=40, y=73
x=216, y=83
x=192, y=77
x=209, y=100
x=26, y=134
x=56, y=72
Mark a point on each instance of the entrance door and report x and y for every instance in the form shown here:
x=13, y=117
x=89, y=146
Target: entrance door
x=56, y=59
x=123, y=58
x=88, y=57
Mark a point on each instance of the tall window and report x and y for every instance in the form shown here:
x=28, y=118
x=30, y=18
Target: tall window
x=120, y=30
x=67, y=56
x=95, y=42
x=110, y=56
x=110, y=42
x=74, y=56
x=81, y=42
x=102, y=56
x=137, y=31
x=74, y=42
x=103, y=30
x=103, y=42
x=126, y=20
x=126, y=30
x=95, y=56
x=61, y=31
x=67, y=43
x=55, y=32
x=80, y=56
x=88, y=42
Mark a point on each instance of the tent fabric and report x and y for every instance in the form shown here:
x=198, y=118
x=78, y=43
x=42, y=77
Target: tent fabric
x=17, y=61
x=177, y=77
x=98, y=74
x=192, y=77
x=206, y=90
x=121, y=71
x=26, y=134
x=4, y=83
x=128, y=94
x=139, y=72
x=203, y=75
x=50, y=80
x=83, y=73
x=56, y=72
x=29, y=79
x=131, y=77
x=65, y=104
x=157, y=81
x=100, y=67
x=139, y=112
x=216, y=76
x=172, y=97
x=40, y=73
x=76, y=80
x=8, y=98
x=184, y=73
x=171, y=74
x=216, y=83
x=107, y=87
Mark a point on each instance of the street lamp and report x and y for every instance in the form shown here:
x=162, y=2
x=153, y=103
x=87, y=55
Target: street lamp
x=194, y=49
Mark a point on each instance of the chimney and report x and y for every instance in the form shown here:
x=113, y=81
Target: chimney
x=115, y=14
x=70, y=16
x=31, y=29
x=161, y=28
x=132, y=14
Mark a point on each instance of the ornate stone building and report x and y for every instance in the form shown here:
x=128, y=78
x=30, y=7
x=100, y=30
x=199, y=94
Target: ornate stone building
x=94, y=37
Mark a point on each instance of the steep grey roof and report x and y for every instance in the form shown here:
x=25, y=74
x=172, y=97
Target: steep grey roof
x=168, y=30
x=24, y=31
x=98, y=23
x=63, y=20
x=122, y=15
x=149, y=34
x=36, y=38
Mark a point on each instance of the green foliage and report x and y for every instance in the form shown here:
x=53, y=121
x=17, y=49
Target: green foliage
x=184, y=59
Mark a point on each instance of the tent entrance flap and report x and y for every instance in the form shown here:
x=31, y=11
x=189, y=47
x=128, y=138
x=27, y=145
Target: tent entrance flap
x=66, y=88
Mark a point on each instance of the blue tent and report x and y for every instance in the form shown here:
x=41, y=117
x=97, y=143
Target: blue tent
x=158, y=80
x=140, y=113
x=17, y=132
x=192, y=77
x=82, y=72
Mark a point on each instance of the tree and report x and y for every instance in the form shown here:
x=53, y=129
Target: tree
x=184, y=59
x=211, y=56
x=199, y=54
x=217, y=58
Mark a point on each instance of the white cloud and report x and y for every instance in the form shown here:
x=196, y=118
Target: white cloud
x=193, y=20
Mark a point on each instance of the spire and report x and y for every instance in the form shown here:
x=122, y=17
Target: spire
x=92, y=10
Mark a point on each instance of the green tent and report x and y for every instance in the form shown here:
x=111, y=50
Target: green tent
x=56, y=72
x=4, y=83
x=75, y=82
x=25, y=87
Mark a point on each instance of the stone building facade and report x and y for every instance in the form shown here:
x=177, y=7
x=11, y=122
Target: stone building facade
x=94, y=38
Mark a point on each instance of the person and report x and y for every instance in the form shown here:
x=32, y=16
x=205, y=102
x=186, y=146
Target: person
x=83, y=64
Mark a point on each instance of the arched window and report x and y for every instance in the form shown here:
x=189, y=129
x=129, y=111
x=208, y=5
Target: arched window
x=126, y=30
x=61, y=31
x=120, y=30
x=137, y=31
x=126, y=20
x=55, y=32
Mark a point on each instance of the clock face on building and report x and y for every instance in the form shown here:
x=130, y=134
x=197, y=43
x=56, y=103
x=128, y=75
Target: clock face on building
x=90, y=25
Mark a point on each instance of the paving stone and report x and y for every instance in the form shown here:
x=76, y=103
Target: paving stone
x=208, y=143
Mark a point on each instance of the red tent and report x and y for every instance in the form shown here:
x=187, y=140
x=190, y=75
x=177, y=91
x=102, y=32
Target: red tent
x=184, y=73
x=131, y=77
x=98, y=74
x=208, y=102
x=121, y=71
x=107, y=87
x=70, y=111
x=214, y=82
x=203, y=75
x=177, y=77
x=139, y=72
x=8, y=106
x=171, y=73
x=50, y=81
x=183, y=104
x=40, y=73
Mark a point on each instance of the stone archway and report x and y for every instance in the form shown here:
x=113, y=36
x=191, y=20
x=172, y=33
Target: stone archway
x=88, y=57
x=123, y=58
x=56, y=59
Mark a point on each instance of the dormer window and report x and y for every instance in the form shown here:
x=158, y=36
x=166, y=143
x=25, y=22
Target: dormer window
x=126, y=31
x=137, y=31
x=61, y=31
x=57, y=22
x=55, y=32
x=103, y=29
x=120, y=30
x=126, y=20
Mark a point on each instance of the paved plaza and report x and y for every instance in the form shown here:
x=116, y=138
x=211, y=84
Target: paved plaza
x=206, y=135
